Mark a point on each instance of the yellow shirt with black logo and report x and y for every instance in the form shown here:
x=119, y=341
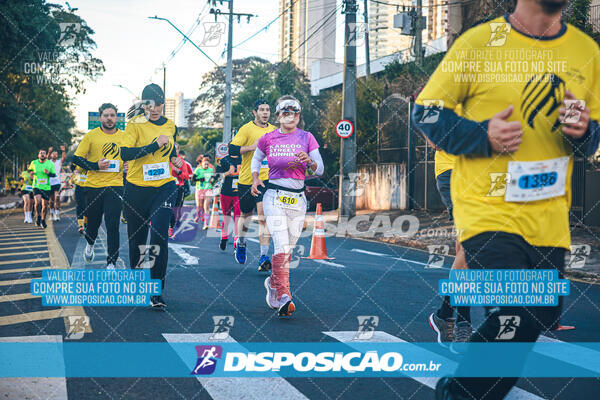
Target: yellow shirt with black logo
x=140, y=132
x=489, y=68
x=247, y=136
x=96, y=145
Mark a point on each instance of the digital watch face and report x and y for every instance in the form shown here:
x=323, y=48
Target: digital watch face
x=418, y=219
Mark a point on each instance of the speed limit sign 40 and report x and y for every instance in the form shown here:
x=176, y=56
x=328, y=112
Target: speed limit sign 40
x=344, y=129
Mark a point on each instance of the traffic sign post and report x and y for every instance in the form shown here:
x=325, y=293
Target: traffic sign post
x=344, y=129
x=221, y=150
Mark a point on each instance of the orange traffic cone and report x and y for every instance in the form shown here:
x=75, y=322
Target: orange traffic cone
x=318, y=249
x=215, y=222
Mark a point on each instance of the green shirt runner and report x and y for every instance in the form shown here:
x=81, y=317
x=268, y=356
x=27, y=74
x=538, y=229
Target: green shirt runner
x=206, y=174
x=40, y=178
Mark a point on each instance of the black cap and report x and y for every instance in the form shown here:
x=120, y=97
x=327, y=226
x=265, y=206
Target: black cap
x=153, y=92
x=259, y=102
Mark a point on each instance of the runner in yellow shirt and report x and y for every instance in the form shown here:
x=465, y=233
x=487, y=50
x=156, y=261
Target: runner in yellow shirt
x=528, y=84
x=244, y=144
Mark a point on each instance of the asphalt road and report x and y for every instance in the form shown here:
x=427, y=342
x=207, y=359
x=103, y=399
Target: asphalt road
x=365, y=279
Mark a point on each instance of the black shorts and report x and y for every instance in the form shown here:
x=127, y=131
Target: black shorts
x=55, y=188
x=247, y=201
x=44, y=193
x=27, y=193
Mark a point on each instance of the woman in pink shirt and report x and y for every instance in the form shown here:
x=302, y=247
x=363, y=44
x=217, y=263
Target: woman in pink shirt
x=291, y=153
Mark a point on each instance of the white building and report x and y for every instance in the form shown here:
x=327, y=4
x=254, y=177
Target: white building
x=178, y=109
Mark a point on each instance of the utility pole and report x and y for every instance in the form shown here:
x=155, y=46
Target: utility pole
x=229, y=67
x=367, y=55
x=165, y=85
x=347, y=191
x=419, y=32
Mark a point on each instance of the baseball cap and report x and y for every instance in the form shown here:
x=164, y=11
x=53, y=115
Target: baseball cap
x=153, y=92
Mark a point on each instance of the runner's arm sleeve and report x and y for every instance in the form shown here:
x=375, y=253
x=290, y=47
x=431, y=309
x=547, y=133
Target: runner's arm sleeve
x=588, y=143
x=257, y=160
x=85, y=164
x=238, y=141
x=434, y=111
x=315, y=155
x=133, y=153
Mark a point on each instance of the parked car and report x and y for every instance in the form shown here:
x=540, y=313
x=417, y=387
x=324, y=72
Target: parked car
x=317, y=191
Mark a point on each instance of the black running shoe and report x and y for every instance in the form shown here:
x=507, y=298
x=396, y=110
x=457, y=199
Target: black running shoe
x=38, y=220
x=287, y=306
x=44, y=224
x=157, y=302
x=445, y=389
x=223, y=244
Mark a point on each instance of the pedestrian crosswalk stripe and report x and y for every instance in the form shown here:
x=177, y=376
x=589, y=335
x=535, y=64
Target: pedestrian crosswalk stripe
x=21, y=247
x=29, y=269
x=36, y=316
x=29, y=260
x=22, y=253
x=37, y=239
x=516, y=393
x=15, y=282
x=20, y=234
x=236, y=388
x=17, y=297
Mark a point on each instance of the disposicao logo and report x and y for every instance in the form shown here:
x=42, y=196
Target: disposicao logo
x=207, y=359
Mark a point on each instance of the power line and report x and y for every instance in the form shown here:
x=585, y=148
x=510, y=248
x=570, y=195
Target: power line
x=325, y=20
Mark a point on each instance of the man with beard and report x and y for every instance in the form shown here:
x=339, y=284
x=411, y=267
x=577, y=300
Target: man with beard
x=99, y=153
x=43, y=170
x=520, y=125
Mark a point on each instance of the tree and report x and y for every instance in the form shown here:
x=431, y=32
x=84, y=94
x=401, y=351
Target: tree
x=42, y=65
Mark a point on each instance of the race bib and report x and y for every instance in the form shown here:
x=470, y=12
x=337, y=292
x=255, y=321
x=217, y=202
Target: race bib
x=288, y=200
x=42, y=181
x=156, y=172
x=536, y=180
x=28, y=188
x=234, y=184
x=55, y=180
x=113, y=166
x=82, y=178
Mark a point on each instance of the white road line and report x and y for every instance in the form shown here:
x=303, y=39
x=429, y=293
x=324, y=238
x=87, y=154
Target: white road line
x=237, y=388
x=179, y=249
x=381, y=336
x=36, y=388
x=331, y=264
x=570, y=353
x=372, y=253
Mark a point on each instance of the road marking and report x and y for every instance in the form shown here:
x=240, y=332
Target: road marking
x=236, y=388
x=30, y=269
x=516, y=393
x=331, y=264
x=20, y=247
x=179, y=250
x=37, y=388
x=15, y=282
x=21, y=253
x=570, y=353
x=253, y=240
x=17, y=297
x=37, y=316
x=39, y=239
x=372, y=253
x=29, y=260
x=58, y=259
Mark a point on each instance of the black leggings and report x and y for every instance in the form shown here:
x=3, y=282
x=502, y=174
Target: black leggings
x=178, y=204
x=104, y=201
x=80, y=200
x=501, y=250
x=143, y=205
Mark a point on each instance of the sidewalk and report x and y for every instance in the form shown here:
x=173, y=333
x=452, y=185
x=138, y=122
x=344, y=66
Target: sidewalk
x=420, y=229
x=10, y=201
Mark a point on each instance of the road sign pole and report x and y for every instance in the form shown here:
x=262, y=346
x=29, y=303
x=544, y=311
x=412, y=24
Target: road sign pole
x=347, y=198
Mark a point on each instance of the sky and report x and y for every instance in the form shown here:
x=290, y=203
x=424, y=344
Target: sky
x=134, y=47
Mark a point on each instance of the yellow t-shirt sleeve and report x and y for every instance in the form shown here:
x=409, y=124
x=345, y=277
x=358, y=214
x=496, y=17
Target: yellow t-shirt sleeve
x=241, y=138
x=445, y=84
x=131, y=135
x=593, y=95
x=84, y=147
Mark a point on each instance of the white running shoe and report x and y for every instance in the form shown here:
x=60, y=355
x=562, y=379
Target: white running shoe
x=57, y=215
x=88, y=255
x=110, y=266
x=271, y=297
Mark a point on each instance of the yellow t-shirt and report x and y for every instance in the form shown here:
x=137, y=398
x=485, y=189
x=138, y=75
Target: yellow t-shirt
x=80, y=177
x=153, y=169
x=246, y=136
x=443, y=162
x=97, y=144
x=489, y=68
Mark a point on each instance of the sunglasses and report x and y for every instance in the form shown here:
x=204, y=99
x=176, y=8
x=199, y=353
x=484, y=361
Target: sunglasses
x=288, y=112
